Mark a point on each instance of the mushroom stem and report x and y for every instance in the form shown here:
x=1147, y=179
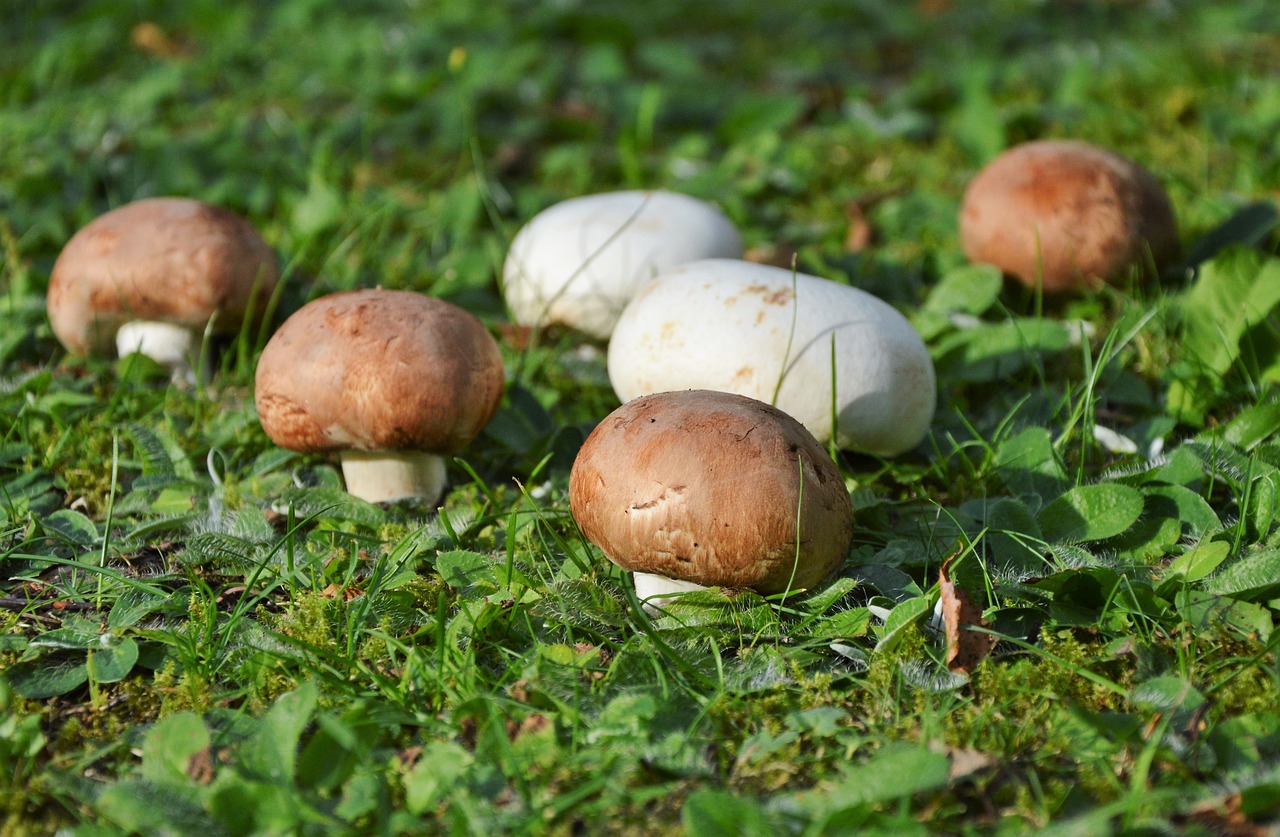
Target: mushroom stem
x=168, y=344
x=653, y=590
x=383, y=476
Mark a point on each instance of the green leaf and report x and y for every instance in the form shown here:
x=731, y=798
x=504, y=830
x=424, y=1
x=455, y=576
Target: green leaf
x=273, y=751
x=994, y=351
x=760, y=113
x=970, y=289
x=468, y=572
x=1255, y=576
x=332, y=503
x=143, y=807
x=1013, y=535
x=895, y=772
x=1253, y=425
x=1198, y=562
x=245, y=806
x=1166, y=693
x=48, y=676
x=1247, y=226
x=434, y=776
x=1232, y=295
x=133, y=604
x=900, y=619
x=843, y=625
x=1194, y=513
x=1091, y=513
x=1206, y=612
x=113, y=659
x=1028, y=464
x=72, y=528
x=169, y=746
x=716, y=813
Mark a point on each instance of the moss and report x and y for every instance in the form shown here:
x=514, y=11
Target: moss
x=181, y=691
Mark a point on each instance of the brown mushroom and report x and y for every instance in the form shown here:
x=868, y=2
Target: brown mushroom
x=1067, y=215
x=392, y=380
x=154, y=274
x=699, y=488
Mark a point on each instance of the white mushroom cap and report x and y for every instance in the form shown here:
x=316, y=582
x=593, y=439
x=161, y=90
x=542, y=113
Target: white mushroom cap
x=764, y=331
x=578, y=263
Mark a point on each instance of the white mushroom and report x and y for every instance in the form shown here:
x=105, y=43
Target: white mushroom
x=783, y=338
x=578, y=263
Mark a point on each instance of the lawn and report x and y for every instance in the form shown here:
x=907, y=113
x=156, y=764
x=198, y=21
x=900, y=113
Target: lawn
x=202, y=633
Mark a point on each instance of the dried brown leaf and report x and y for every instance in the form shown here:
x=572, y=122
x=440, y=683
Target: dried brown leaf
x=965, y=648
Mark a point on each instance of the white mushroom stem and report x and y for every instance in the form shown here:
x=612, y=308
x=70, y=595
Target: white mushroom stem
x=381, y=476
x=653, y=590
x=168, y=344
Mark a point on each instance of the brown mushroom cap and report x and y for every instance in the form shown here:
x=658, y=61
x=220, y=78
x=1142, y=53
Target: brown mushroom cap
x=705, y=486
x=1068, y=214
x=378, y=370
x=174, y=260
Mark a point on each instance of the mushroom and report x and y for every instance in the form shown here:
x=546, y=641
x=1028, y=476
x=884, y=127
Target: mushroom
x=697, y=489
x=153, y=275
x=1067, y=215
x=393, y=380
x=785, y=338
x=578, y=262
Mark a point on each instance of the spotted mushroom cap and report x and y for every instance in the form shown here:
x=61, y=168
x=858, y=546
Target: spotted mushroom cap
x=1067, y=213
x=783, y=337
x=174, y=260
x=711, y=488
x=378, y=370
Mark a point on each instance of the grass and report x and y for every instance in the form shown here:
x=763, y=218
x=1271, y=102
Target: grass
x=201, y=633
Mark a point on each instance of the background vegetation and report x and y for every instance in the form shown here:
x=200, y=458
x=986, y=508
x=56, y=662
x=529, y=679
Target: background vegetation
x=201, y=633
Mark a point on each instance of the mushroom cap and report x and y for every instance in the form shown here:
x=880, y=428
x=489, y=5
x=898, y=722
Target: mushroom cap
x=378, y=370
x=741, y=327
x=578, y=262
x=174, y=260
x=1067, y=214
x=715, y=489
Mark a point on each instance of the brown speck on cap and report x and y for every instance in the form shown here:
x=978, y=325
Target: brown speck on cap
x=378, y=370
x=714, y=489
x=1067, y=213
x=174, y=260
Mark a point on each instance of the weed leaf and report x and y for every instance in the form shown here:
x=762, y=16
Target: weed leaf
x=1091, y=513
x=1247, y=226
x=715, y=813
x=48, y=676
x=1253, y=577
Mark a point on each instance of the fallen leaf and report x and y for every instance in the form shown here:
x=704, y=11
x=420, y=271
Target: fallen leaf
x=965, y=763
x=200, y=767
x=149, y=38
x=1224, y=815
x=860, y=234
x=965, y=648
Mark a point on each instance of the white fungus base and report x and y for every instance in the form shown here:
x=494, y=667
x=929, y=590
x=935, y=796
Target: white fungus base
x=654, y=591
x=384, y=476
x=172, y=346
